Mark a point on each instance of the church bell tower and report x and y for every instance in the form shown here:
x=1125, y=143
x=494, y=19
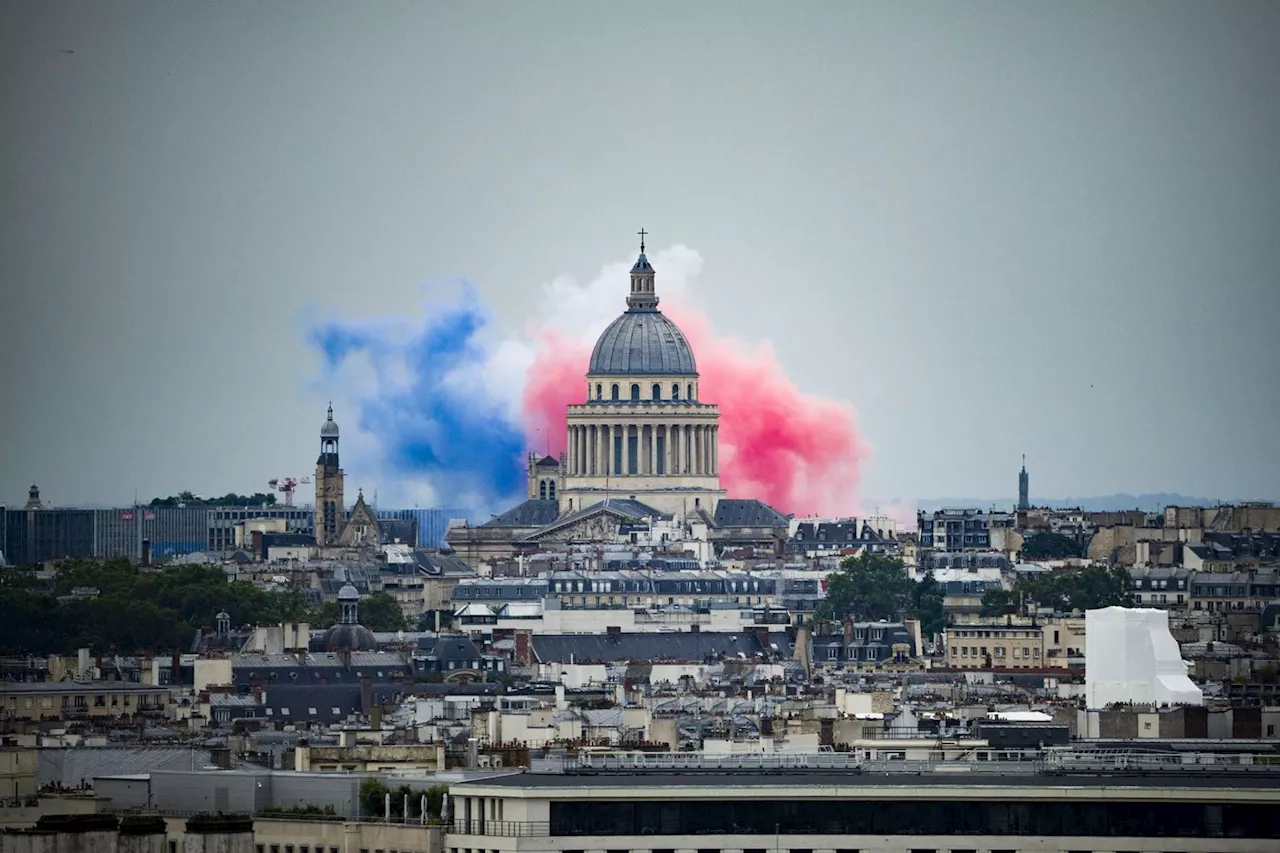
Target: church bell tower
x=329, y=478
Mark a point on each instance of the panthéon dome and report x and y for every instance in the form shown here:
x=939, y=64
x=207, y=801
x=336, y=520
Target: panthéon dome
x=642, y=342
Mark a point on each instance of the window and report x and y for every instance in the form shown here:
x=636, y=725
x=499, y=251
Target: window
x=635, y=391
x=599, y=391
x=615, y=391
x=657, y=391
x=675, y=391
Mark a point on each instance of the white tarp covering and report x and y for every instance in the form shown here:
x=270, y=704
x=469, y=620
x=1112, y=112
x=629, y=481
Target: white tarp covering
x=1130, y=656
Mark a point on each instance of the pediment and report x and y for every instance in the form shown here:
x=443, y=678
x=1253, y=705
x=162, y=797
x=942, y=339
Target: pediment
x=598, y=525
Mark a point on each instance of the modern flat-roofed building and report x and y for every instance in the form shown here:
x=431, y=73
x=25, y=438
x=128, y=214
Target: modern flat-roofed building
x=786, y=808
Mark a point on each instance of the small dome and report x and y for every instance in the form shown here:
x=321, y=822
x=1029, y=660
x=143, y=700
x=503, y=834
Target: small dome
x=348, y=593
x=222, y=614
x=642, y=342
x=349, y=638
x=330, y=428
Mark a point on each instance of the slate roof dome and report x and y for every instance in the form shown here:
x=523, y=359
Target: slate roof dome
x=354, y=638
x=642, y=342
x=329, y=429
x=349, y=635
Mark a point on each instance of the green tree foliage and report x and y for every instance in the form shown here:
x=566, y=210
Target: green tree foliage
x=929, y=596
x=869, y=587
x=149, y=611
x=998, y=602
x=1050, y=546
x=373, y=794
x=229, y=499
x=1089, y=588
x=377, y=612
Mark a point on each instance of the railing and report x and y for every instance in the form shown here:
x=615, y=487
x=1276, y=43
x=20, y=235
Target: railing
x=502, y=828
x=697, y=761
x=977, y=760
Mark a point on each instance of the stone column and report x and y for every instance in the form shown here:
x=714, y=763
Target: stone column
x=695, y=445
x=715, y=450
x=572, y=450
x=626, y=448
x=653, y=450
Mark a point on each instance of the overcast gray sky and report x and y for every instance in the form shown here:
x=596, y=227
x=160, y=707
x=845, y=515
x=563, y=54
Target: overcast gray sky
x=1050, y=228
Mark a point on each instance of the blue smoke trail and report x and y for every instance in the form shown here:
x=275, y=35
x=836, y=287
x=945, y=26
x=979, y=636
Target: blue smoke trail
x=458, y=439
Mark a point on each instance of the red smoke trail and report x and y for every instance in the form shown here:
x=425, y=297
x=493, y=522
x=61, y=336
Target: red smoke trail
x=556, y=378
x=797, y=452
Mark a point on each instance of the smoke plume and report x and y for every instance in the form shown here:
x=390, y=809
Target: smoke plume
x=448, y=410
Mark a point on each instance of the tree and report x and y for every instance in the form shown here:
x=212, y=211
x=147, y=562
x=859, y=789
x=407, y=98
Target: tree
x=1050, y=546
x=1089, y=588
x=929, y=596
x=132, y=611
x=869, y=587
x=381, y=612
x=998, y=602
x=372, y=796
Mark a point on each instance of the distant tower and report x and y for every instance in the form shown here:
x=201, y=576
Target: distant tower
x=33, y=498
x=329, y=477
x=1024, y=486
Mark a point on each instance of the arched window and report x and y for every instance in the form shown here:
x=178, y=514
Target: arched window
x=657, y=391
x=542, y=490
x=599, y=392
x=615, y=390
x=551, y=490
x=635, y=391
x=690, y=394
x=675, y=391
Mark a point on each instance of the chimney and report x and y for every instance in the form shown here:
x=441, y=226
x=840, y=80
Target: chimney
x=142, y=834
x=848, y=631
x=366, y=695
x=259, y=549
x=219, y=834
x=79, y=831
x=523, y=654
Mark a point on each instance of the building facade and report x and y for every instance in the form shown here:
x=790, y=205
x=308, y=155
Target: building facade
x=643, y=431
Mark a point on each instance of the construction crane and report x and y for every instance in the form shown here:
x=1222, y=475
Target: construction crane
x=286, y=485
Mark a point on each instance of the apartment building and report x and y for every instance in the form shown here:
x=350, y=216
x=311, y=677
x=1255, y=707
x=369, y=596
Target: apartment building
x=70, y=700
x=1006, y=643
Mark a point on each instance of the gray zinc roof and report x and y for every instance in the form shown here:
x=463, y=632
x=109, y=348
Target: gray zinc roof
x=642, y=342
x=683, y=646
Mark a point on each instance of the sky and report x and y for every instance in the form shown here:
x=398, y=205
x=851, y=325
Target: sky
x=988, y=229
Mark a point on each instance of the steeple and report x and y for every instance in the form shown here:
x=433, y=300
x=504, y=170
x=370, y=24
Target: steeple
x=1024, y=483
x=642, y=296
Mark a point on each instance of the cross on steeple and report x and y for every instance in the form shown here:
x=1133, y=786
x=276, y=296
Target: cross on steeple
x=642, y=234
